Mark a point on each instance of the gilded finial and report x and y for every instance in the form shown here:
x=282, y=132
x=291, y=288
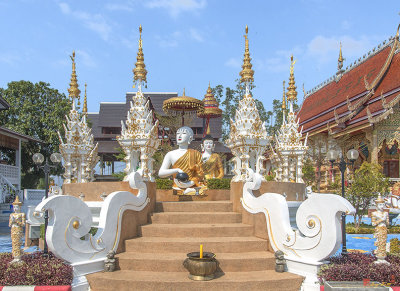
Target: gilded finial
x=84, y=109
x=183, y=94
x=284, y=97
x=16, y=201
x=291, y=90
x=140, y=72
x=246, y=74
x=209, y=91
x=208, y=129
x=73, y=89
x=340, y=59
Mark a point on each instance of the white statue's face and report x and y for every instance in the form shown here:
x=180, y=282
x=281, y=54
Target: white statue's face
x=208, y=145
x=183, y=137
x=380, y=206
x=17, y=209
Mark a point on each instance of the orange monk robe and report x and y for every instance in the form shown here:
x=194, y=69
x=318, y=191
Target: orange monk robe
x=191, y=164
x=212, y=167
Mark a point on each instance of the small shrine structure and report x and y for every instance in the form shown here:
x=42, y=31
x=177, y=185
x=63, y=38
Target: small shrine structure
x=248, y=138
x=79, y=151
x=139, y=134
x=289, y=150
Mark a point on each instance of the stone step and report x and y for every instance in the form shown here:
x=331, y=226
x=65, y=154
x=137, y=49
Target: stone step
x=196, y=217
x=172, y=262
x=211, y=195
x=194, y=206
x=191, y=244
x=196, y=230
x=142, y=280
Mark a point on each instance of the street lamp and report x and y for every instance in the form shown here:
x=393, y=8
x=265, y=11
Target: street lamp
x=332, y=156
x=38, y=159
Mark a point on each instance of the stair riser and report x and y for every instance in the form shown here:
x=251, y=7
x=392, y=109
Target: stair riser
x=153, y=231
x=182, y=218
x=121, y=285
x=193, y=207
x=226, y=265
x=215, y=247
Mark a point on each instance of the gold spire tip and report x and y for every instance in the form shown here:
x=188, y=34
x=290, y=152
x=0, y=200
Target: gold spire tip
x=140, y=29
x=247, y=29
x=183, y=94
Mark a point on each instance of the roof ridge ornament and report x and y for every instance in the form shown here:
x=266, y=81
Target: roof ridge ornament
x=140, y=72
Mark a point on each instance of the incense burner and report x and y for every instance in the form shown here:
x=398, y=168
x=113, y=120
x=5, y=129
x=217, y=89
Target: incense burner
x=201, y=269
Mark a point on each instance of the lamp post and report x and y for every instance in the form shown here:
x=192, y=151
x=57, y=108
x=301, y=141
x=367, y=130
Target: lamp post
x=38, y=159
x=332, y=156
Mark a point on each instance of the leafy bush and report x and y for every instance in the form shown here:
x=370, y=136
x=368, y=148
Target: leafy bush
x=360, y=230
x=356, y=266
x=224, y=183
x=37, y=270
x=164, y=184
x=119, y=175
x=395, y=246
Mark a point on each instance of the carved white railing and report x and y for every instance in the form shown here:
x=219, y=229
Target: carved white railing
x=70, y=219
x=11, y=173
x=7, y=190
x=318, y=233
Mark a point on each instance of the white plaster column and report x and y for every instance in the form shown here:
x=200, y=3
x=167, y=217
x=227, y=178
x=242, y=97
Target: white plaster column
x=299, y=176
x=374, y=143
x=285, y=166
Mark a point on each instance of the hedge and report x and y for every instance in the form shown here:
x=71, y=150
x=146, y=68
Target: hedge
x=219, y=183
x=164, y=184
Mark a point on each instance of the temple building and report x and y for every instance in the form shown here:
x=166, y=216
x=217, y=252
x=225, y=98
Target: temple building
x=358, y=108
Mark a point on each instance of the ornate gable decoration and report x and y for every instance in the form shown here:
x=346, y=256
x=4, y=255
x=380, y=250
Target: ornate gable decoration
x=139, y=135
x=79, y=151
x=248, y=137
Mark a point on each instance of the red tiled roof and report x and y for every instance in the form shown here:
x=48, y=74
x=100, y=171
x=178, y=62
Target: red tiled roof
x=318, y=108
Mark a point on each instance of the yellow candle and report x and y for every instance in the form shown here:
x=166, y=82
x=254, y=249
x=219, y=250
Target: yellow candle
x=201, y=251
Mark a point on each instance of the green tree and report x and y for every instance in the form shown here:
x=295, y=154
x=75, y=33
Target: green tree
x=368, y=182
x=38, y=111
x=229, y=102
x=308, y=172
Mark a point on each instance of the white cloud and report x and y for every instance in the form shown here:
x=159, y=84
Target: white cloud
x=195, y=34
x=85, y=58
x=119, y=7
x=94, y=22
x=233, y=63
x=171, y=40
x=280, y=61
x=346, y=25
x=176, y=7
x=325, y=48
x=11, y=59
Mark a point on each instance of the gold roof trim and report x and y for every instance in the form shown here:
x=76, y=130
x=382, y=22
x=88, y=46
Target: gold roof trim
x=247, y=73
x=284, y=97
x=140, y=72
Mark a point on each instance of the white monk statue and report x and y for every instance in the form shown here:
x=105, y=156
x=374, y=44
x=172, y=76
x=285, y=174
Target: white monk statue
x=184, y=165
x=380, y=219
x=212, y=164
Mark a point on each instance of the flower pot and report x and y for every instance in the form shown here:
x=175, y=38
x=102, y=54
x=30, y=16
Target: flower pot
x=201, y=269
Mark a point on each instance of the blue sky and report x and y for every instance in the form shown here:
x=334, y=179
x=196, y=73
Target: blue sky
x=186, y=43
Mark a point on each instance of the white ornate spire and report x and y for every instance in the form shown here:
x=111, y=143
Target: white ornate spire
x=248, y=136
x=139, y=135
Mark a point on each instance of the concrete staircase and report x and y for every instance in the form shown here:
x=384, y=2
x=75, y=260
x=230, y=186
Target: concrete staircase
x=154, y=260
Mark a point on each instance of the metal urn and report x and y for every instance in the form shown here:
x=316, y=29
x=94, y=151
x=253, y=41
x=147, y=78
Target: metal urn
x=201, y=269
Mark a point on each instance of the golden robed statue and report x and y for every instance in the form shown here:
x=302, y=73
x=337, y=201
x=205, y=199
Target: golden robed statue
x=212, y=163
x=17, y=222
x=184, y=165
x=380, y=219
